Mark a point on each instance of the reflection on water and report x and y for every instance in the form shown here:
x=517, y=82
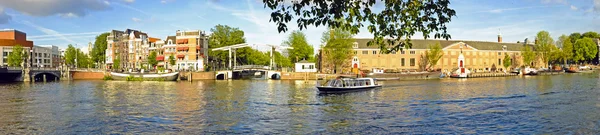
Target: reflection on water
x=565, y=104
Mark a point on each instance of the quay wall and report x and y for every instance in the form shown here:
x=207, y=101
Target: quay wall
x=203, y=75
x=86, y=75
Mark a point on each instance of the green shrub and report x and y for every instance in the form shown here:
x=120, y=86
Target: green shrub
x=107, y=77
x=131, y=78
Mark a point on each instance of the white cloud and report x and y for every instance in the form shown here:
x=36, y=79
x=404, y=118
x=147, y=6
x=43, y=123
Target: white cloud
x=129, y=1
x=48, y=31
x=68, y=15
x=518, y=8
x=4, y=18
x=573, y=7
x=66, y=35
x=134, y=9
x=67, y=8
x=597, y=5
x=555, y=1
x=166, y=1
x=136, y=19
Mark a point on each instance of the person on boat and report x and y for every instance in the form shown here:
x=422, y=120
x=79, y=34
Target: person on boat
x=340, y=82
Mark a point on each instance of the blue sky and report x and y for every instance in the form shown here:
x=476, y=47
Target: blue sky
x=63, y=22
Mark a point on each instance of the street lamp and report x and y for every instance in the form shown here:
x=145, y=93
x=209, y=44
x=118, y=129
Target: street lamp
x=76, y=53
x=31, y=57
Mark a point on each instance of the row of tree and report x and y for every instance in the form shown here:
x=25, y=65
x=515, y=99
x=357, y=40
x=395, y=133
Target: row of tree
x=223, y=35
x=575, y=48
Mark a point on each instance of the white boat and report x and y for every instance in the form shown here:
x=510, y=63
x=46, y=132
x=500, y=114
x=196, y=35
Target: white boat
x=348, y=85
x=146, y=76
x=530, y=71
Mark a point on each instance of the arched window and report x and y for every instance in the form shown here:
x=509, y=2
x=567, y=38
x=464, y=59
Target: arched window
x=355, y=45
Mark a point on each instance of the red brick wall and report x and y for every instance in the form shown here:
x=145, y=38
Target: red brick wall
x=82, y=75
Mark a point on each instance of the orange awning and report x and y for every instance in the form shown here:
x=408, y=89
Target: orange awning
x=160, y=58
x=180, y=56
x=182, y=48
x=182, y=41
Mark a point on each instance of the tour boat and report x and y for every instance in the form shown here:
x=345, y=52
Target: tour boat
x=146, y=76
x=348, y=84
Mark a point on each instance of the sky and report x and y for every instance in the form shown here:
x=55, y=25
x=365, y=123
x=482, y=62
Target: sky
x=63, y=22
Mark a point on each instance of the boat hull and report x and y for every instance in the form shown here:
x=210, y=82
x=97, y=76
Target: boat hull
x=146, y=77
x=326, y=89
x=458, y=76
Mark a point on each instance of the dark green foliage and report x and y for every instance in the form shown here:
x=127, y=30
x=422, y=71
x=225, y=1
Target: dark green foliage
x=398, y=20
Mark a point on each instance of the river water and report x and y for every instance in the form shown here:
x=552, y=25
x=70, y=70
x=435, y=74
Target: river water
x=562, y=104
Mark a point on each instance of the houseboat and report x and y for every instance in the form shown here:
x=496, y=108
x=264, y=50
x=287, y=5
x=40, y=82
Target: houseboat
x=146, y=76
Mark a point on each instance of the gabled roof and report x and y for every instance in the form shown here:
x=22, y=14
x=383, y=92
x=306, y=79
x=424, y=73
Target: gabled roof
x=424, y=44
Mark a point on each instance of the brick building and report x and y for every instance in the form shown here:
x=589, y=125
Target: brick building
x=10, y=38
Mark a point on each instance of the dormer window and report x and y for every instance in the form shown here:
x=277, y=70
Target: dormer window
x=355, y=45
x=170, y=42
x=504, y=47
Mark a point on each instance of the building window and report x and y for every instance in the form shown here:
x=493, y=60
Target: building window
x=499, y=53
x=355, y=45
x=365, y=52
x=402, y=52
x=402, y=62
x=374, y=52
x=412, y=52
x=4, y=53
x=499, y=62
x=412, y=62
x=393, y=52
x=355, y=52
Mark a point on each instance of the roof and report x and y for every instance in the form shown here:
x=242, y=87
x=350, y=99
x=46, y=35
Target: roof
x=172, y=38
x=304, y=61
x=424, y=44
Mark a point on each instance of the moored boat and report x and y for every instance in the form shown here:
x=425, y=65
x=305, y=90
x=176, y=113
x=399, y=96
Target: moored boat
x=341, y=85
x=530, y=71
x=146, y=76
x=579, y=70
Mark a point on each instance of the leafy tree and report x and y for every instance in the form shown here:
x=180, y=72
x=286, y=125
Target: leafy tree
x=172, y=60
x=528, y=55
x=561, y=40
x=585, y=49
x=70, y=55
x=574, y=37
x=16, y=57
x=117, y=62
x=544, y=45
x=99, y=50
x=83, y=60
x=257, y=58
x=301, y=49
x=152, y=59
x=338, y=47
x=567, y=50
x=434, y=54
x=398, y=20
x=506, y=62
x=223, y=35
x=282, y=61
x=590, y=34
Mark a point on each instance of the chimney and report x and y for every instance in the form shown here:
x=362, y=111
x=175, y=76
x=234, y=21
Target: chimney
x=499, y=36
